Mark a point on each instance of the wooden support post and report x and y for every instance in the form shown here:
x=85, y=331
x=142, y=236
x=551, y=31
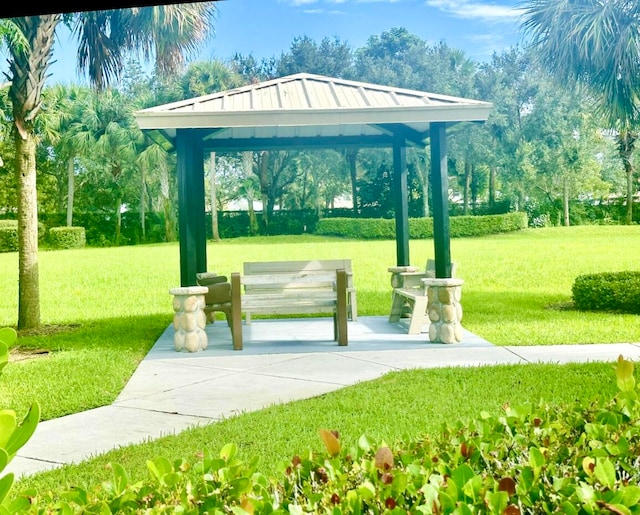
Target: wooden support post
x=440, y=182
x=191, y=206
x=401, y=201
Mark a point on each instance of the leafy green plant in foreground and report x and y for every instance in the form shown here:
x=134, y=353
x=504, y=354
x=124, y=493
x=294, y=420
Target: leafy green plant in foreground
x=529, y=459
x=12, y=435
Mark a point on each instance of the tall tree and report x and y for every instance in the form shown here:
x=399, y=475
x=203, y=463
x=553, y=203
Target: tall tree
x=105, y=37
x=595, y=43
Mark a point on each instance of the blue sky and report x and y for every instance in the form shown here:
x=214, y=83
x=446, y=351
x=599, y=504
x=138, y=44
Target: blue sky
x=266, y=28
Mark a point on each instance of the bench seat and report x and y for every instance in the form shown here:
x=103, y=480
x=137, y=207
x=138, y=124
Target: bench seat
x=289, y=292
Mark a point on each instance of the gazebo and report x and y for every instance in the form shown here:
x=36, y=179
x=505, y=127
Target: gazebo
x=305, y=111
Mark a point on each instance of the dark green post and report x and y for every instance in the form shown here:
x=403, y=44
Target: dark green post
x=191, y=208
x=401, y=201
x=440, y=183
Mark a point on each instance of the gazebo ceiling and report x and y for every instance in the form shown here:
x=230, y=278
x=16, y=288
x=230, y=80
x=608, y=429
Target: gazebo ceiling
x=310, y=111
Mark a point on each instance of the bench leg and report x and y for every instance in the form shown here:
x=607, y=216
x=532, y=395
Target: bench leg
x=236, y=312
x=352, y=305
x=341, y=307
x=418, y=314
x=397, y=303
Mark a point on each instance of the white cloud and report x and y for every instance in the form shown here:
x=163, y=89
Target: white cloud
x=476, y=10
x=297, y=3
x=322, y=11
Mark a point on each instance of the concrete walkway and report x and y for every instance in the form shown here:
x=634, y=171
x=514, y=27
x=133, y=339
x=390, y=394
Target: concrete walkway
x=282, y=360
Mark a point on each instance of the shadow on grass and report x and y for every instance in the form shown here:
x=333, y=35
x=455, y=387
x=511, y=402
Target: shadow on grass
x=136, y=333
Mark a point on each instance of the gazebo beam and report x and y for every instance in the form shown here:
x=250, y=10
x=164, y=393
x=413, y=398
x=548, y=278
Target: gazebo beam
x=440, y=192
x=412, y=136
x=191, y=206
x=298, y=143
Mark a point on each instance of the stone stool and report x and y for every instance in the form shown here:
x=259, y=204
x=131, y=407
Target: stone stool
x=189, y=320
x=444, y=309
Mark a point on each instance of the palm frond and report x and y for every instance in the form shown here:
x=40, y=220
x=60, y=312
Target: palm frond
x=595, y=42
x=165, y=33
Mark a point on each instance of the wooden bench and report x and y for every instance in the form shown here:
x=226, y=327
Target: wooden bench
x=409, y=297
x=312, y=267
x=269, y=288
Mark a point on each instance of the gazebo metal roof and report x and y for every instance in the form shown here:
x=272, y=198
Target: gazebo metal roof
x=313, y=110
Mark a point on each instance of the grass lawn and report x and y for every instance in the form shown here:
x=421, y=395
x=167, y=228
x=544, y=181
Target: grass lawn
x=104, y=308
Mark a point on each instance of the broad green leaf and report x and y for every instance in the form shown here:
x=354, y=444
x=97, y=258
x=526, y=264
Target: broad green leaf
x=120, y=478
x=461, y=475
x=4, y=459
x=4, y=355
x=567, y=508
x=605, y=473
x=8, y=425
x=496, y=501
x=624, y=375
x=8, y=336
x=5, y=485
x=536, y=459
x=240, y=485
x=229, y=451
x=526, y=479
x=585, y=494
x=630, y=495
x=24, y=431
x=367, y=490
x=473, y=487
x=159, y=467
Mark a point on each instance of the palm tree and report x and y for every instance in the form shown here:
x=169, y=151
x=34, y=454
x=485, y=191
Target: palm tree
x=595, y=43
x=104, y=37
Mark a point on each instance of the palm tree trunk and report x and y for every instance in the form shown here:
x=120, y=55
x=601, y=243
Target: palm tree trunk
x=118, y=219
x=425, y=183
x=70, y=191
x=28, y=68
x=626, y=146
x=214, y=201
x=143, y=198
x=264, y=186
x=628, y=168
x=492, y=186
x=565, y=202
x=467, y=186
x=28, y=276
x=352, y=160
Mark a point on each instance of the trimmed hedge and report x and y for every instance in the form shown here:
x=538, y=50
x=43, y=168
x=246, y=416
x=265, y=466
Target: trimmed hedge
x=67, y=237
x=609, y=291
x=8, y=236
x=420, y=228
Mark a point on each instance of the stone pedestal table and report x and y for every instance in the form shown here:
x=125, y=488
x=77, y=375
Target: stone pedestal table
x=189, y=319
x=444, y=309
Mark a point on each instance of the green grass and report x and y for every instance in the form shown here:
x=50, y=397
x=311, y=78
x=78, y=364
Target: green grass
x=117, y=299
x=398, y=405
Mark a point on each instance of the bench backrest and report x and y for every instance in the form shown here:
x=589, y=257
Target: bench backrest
x=430, y=268
x=279, y=275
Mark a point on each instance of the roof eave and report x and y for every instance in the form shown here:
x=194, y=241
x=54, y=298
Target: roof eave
x=423, y=114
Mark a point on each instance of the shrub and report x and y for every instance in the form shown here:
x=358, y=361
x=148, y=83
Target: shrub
x=530, y=459
x=8, y=238
x=67, y=237
x=609, y=291
x=420, y=228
